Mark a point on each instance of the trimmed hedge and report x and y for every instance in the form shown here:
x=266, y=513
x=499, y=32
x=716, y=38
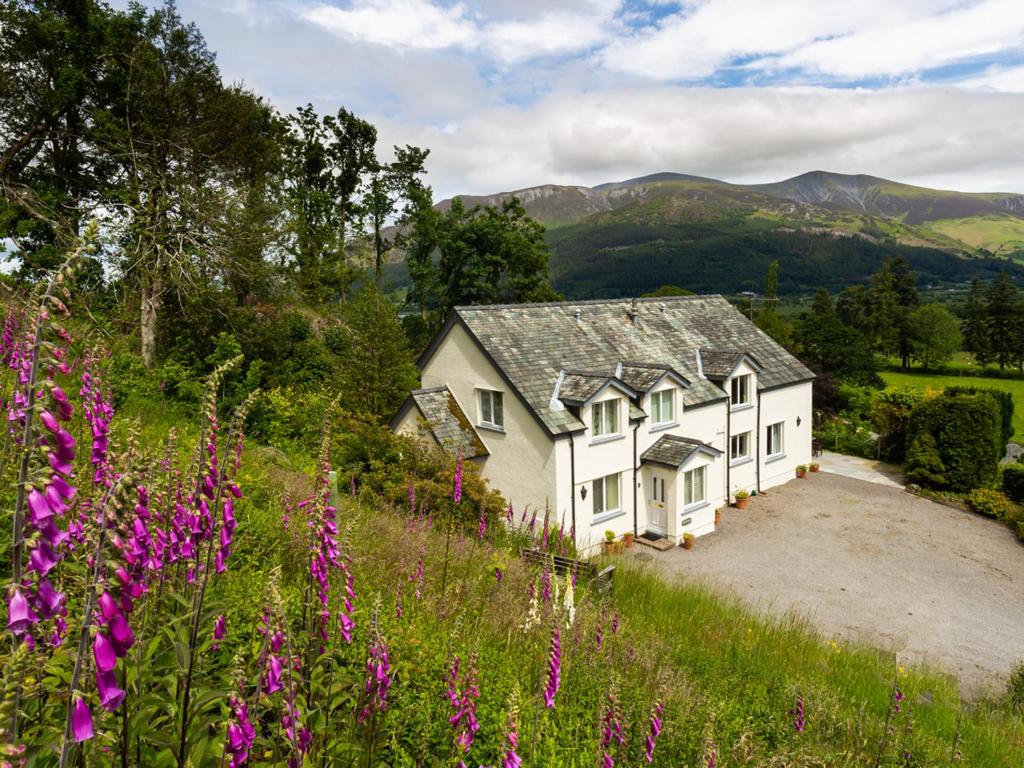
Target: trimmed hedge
x=1005, y=402
x=966, y=430
x=1013, y=481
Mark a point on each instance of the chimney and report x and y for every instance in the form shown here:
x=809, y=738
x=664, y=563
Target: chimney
x=632, y=311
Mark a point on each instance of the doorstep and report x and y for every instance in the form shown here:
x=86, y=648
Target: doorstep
x=661, y=544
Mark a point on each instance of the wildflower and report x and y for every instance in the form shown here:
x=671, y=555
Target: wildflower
x=898, y=697
x=103, y=653
x=110, y=694
x=710, y=753
x=554, y=669
x=482, y=529
x=378, y=665
x=533, y=614
x=547, y=584
x=612, y=731
x=457, y=482
x=509, y=513
x=81, y=720
x=569, y=601
x=241, y=733
x=19, y=614
x=510, y=758
x=499, y=573
x=655, y=729
x=615, y=623
x=417, y=577
x=412, y=497
x=798, y=715
x=464, y=720
x=599, y=635
x=220, y=629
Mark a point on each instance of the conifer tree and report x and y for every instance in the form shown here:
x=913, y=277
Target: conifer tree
x=1003, y=318
x=975, y=328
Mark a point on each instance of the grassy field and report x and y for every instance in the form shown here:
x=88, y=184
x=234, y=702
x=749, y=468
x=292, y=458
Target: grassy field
x=924, y=380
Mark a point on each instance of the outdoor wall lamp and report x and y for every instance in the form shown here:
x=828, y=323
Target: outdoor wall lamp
x=798, y=421
x=583, y=493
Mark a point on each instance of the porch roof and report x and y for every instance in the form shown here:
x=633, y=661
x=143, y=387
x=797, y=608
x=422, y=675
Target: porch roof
x=446, y=421
x=674, y=451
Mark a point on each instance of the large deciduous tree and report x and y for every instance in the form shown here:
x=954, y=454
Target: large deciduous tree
x=934, y=334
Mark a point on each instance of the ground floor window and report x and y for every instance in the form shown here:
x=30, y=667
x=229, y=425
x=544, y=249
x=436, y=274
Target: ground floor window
x=694, y=486
x=739, y=446
x=606, y=494
x=773, y=440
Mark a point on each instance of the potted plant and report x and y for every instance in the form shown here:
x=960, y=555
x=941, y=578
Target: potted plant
x=718, y=517
x=815, y=466
x=611, y=546
x=687, y=541
x=801, y=470
x=742, y=496
x=627, y=539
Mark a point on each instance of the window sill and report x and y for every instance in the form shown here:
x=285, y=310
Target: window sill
x=604, y=517
x=695, y=507
x=774, y=457
x=740, y=461
x=663, y=426
x=491, y=428
x=741, y=407
x=607, y=439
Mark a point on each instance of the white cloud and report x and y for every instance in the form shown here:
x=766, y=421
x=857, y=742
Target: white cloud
x=997, y=78
x=940, y=136
x=397, y=23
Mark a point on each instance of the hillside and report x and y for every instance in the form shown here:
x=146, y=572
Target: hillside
x=827, y=230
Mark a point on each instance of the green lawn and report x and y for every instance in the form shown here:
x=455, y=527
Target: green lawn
x=1013, y=386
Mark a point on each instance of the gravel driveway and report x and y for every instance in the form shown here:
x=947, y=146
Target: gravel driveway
x=870, y=562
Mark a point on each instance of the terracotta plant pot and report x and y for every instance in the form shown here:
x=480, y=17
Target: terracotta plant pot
x=815, y=469
x=742, y=503
x=627, y=540
x=718, y=517
x=801, y=472
x=610, y=547
x=687, y=543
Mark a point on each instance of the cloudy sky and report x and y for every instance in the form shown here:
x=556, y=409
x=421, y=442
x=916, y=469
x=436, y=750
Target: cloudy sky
x=512, y=93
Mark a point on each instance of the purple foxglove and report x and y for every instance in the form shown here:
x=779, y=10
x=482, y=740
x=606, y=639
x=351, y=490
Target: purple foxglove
x=110, y=694
x=81, y=720
x=272, y=684
x=48, y=600
x=108, y=606
x=42, y=559
x=655, y=729
x=554, y=669
x=121, y=636
x=457, y=482
x=38, y=507
x=103, y=653
x=19, y=614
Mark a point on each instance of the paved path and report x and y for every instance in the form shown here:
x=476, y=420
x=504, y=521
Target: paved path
x=868, y=470
x=865, y=561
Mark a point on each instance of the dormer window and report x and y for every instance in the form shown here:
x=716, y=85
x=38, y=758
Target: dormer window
x=740, y=394
x=491, y=412
x=605, y=416
x=663, y=407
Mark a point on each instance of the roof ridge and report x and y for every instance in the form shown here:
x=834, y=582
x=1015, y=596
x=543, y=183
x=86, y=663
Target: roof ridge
x=430, y=390
x=589, y=302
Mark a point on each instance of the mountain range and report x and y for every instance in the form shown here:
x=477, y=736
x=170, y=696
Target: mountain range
x=826, y=229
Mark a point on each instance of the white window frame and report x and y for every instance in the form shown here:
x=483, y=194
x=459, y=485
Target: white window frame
x=486, y=401
x=599, y=415
x=739, y=391
x=775, y=451
x=743, y=438
x=658, y=400
x=600, y=490
x=689, y=499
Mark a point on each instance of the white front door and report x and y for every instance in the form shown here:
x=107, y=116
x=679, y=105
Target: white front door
x=656, y=504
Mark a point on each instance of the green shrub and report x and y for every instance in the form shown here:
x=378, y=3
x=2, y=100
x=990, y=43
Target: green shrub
x=890, y=413
x=1015, y=687
x=1005, y=402
x=990, y=503
x=966, y=432
x=923, y=465
x=1013, y=481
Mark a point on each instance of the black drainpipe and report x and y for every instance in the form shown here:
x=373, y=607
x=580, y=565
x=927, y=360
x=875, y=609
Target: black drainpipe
x=572, y=486
x=635, y=531
x=728, y=448
x=757, y=443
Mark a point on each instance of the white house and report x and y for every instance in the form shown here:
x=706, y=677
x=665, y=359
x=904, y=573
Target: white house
x=640, y=415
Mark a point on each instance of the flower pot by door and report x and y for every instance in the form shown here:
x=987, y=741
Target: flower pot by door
x=718, y=517
x=742, y=503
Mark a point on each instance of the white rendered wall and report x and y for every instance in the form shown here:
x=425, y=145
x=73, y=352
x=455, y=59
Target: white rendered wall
x=786, y=404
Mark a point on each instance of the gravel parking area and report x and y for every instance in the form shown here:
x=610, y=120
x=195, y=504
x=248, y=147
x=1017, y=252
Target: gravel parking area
x=870, y=562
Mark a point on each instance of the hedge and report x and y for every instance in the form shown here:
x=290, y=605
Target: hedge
x=966, y=430
x=1005, y=402
x=1013, y=481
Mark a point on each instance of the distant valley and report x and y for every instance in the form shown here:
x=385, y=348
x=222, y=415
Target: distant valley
x=826, y=229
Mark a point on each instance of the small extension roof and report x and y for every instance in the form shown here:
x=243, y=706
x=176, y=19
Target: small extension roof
x=445, y=420
x=674, y=451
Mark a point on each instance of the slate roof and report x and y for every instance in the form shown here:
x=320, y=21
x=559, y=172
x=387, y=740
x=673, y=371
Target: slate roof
x=578, y=387
x=643, y=376
x=673, y=451
x=532, y=343
x=719, y=363
x=446, y=421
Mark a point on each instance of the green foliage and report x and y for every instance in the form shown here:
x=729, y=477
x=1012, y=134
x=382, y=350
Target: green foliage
x=1012, y=481
x=923, y=464
x=667, y=290
x=990, y=503
x=934, y=334
x=890, y=414
x=1003, y=399
x=966, y=433
x=1015, y=687
x=833, y=349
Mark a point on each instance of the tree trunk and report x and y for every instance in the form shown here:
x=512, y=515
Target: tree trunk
x=151, y=295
